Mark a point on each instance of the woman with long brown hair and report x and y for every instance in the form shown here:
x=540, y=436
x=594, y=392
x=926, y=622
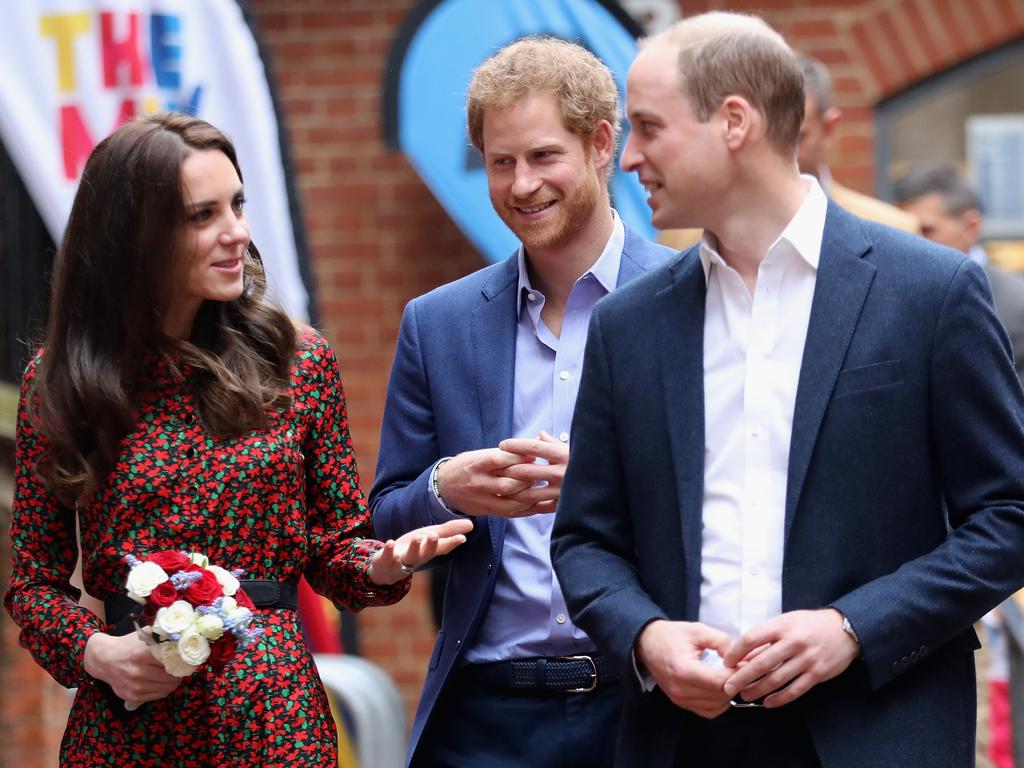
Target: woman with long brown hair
x=173, y=408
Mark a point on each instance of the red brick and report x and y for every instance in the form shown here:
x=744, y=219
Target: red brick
x=867, y=42
x=920, y=29
x=906, y=71
x=956, y=35
x=1012, y=14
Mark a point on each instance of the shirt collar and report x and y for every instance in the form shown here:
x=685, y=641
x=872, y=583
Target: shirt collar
x=977, y=255
x=804, y=232
x=605, y=270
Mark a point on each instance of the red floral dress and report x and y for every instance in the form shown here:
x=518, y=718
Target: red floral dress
x=278, y=503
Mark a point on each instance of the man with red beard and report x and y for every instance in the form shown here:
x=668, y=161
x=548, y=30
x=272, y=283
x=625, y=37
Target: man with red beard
x=478, y=414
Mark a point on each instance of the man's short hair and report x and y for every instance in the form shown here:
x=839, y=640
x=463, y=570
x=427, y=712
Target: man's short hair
x=723, y=54
x=958, y=197
x=817, y=83
x=579, y=81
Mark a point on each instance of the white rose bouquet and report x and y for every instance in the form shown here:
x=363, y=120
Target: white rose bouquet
x=197, y=613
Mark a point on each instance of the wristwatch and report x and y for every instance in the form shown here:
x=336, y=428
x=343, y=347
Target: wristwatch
x=848, y=629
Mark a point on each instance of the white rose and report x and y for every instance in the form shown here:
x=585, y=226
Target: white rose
x=193, y=647
x=210, y=626
x=228, y=582
x=228, y=605
x=167, y=654
x=142, y=580
x=177, y=617
x=198, y=558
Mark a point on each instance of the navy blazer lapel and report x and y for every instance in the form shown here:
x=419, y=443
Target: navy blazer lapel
x=638, y=257
x=842, y=284
x=678, y=311
x=493, y=336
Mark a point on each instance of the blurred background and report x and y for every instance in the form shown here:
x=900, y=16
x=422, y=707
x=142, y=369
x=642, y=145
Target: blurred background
x=349, y=120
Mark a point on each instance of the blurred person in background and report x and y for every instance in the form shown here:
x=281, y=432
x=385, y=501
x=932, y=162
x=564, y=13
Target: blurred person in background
x=817, y=135
x=949, y=212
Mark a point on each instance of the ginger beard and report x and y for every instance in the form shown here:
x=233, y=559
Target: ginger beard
x=567, y=212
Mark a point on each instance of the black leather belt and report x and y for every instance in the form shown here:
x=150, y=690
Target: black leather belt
x=564, y=674
x=264, y=593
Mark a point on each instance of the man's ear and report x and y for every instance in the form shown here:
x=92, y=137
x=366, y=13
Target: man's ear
x=602, y=145
x=829, y=121
x=972, y=224
x=739, y=120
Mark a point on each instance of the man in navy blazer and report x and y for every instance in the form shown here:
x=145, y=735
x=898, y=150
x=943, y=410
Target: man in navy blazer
x=798, y=452
x=478, y=413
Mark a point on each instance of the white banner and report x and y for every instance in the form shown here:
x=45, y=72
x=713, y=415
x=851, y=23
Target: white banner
x=71, y=71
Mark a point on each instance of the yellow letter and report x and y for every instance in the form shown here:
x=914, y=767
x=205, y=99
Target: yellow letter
x=64, y=28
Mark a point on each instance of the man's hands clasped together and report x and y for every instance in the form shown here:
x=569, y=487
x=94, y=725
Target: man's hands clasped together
x=507, y=481
x=779, y=660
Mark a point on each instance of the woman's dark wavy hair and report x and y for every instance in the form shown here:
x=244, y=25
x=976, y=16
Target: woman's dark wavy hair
x=121, y=254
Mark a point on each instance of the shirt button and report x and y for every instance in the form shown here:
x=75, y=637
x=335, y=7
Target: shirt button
x=564, y=437
x=193, y=489
x=560, y=618
x=190, y=452
x=189, y=418
x=531, y=296
x=754, y=570
x=564, y=375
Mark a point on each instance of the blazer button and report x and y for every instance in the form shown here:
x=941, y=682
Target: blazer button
x=895, y=668
x=922, y=651
x=914, y=657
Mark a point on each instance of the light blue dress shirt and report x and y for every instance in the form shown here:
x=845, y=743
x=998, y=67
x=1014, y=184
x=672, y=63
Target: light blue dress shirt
x=527, y=615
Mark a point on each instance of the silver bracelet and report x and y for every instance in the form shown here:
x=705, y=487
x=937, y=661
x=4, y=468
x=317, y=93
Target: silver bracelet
x=436, y=487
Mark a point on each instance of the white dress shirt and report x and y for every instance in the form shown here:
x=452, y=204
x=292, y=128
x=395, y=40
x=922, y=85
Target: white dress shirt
x=753, y=348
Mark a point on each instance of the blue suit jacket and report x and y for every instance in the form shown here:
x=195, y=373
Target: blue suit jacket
x=451, y=391
x=908, y=417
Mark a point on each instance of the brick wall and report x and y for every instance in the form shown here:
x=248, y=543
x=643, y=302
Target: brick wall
x=378, y=238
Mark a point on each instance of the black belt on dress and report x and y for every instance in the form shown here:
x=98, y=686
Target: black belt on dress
x=264, y=593
x=557, y=674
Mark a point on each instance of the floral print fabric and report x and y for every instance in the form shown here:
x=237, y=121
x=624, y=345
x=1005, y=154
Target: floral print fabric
x=280, y=503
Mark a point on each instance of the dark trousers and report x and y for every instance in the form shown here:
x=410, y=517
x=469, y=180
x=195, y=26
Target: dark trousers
x=749, y=738
x=474, y=726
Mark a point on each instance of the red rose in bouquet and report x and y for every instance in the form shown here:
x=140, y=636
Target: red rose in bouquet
x=163, y=594
x=170, y=561
x=244, y=600
x=222, y=652
x=203, y=590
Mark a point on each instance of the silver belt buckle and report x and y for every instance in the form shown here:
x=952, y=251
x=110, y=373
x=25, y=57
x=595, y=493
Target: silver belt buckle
x=593, y=673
